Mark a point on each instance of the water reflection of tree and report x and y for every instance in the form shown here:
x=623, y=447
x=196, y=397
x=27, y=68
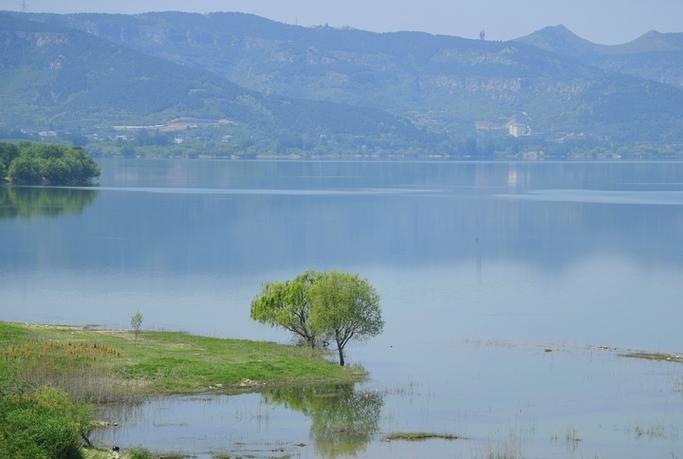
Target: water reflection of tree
x=44, y=202
x=342, y=419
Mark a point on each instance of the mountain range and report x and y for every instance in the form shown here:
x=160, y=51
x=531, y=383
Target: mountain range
x=52, y=77
x=407, y=90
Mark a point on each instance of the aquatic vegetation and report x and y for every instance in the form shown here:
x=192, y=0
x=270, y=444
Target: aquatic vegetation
x=420, y=436
x=654, y=356
x=509, y=448
x=79, y=369
x=573, y=439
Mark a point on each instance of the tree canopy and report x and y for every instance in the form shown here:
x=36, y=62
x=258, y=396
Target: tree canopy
x=8, y=151
x=38, y=164
x=286, y=304
x=346, y=307
x=321, y=307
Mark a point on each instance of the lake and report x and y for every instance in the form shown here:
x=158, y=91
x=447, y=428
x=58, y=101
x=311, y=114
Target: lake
x=481, y=267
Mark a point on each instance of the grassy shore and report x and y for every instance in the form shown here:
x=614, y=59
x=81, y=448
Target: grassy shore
x=156, y=363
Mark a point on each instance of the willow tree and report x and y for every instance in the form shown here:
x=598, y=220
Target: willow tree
x=345, y=307
x=286, y=304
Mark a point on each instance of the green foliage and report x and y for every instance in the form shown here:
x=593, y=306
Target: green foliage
x=322, y=306
x=287, y=305
x=43, y=424
x=8, y=151
x=52, y=165
x=25, y=170
x=162, y=363
x=139, y=453
x=345, y=307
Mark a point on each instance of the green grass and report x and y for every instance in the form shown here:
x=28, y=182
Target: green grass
x=420, y=436
x=161, y=363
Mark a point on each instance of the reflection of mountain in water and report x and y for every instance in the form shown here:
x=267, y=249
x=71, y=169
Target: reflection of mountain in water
x=342, y=420
x=464, y=220
x=43, y=202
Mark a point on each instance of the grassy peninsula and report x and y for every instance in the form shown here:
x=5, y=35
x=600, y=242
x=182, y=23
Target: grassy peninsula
x=157, y=363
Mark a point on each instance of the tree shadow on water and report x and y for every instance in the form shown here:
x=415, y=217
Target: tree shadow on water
x=343, y=420
x=27, y=202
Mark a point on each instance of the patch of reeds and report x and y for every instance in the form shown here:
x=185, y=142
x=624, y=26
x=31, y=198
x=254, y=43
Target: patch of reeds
x=79, y=369
x=505, y=449
x=573, y=439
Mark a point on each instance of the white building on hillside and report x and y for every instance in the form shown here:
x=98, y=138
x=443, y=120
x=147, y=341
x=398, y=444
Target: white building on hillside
x=518, y=130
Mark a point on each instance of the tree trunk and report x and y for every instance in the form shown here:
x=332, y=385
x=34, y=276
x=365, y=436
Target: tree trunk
x=341, y=356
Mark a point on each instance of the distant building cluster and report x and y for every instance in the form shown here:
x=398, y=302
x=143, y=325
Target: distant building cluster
x=518, y=130
x=513, y=127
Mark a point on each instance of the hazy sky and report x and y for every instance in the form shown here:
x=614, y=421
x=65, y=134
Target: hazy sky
x=603, y=21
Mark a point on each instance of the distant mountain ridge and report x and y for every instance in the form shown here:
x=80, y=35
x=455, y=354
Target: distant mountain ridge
x=444, y=84
x=54, y=76
x=654, y=56
x=309, y=84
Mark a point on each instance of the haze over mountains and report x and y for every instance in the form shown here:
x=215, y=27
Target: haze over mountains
x=289, y=87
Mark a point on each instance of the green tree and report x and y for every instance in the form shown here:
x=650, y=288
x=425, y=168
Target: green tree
x=52, y=165
x=136, y=323
x=287, y=305
x=25, y=170
x=345, y=307
x=8, y=151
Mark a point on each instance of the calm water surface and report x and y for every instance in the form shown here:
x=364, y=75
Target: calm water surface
x=480, y=265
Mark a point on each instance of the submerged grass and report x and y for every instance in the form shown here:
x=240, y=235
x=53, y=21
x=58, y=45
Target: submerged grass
x=654, y=356
x=104, y=365
x=420, y=436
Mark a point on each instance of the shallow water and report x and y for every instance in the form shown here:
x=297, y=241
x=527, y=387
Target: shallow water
x=480, y=266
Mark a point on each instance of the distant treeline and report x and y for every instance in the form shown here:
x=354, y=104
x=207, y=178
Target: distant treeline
x=39, y=164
